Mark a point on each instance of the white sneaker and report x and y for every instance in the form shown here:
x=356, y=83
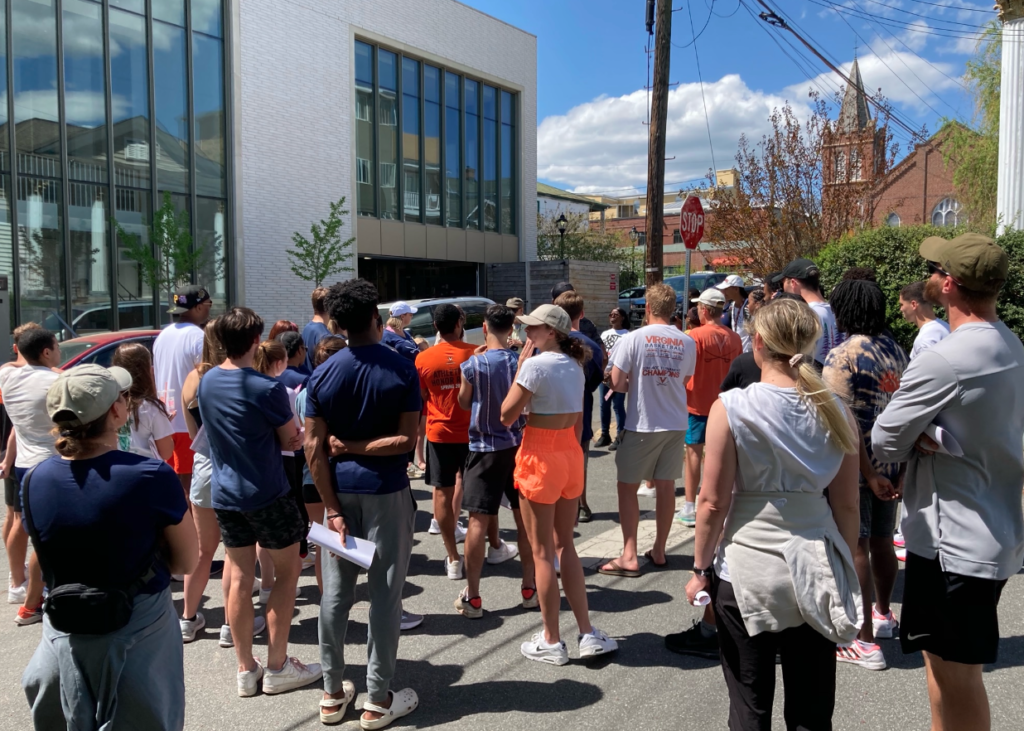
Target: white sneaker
x=596, y=643
x=460, y=532
x=249, y=681
x=265, y=594
x=435, y=527
x=502, y=553
x=17, y=594
x=646, y=490
x=541, y=651
x=309, y=561
x=293, y=675
x=256, y=584
x=884, y=625
x=867, y=656
x=189, y=628
x=410, y=620
x=258, y=625
x=454, y=569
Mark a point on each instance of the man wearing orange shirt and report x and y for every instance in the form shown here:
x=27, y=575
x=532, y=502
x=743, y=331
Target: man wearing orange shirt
x=717, y=346
x=447, y=423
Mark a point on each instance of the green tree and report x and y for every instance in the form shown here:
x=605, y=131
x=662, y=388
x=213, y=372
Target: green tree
x=973, y=153
x=324, y=254
x=581, y=242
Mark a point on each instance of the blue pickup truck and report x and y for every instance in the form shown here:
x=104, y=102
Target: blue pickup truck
x=632, y=300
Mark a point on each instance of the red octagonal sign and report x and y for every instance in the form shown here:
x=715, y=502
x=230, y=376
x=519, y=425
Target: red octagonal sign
x=691, y=222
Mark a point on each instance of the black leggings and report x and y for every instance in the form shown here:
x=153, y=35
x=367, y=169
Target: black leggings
x=808, y=670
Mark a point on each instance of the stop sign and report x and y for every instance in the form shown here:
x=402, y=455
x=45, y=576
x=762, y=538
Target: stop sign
x=691, y=222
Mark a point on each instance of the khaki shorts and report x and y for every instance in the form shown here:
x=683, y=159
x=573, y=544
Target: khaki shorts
x=650, y=455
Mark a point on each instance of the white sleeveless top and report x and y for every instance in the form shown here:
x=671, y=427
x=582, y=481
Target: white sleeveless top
x=556, y=382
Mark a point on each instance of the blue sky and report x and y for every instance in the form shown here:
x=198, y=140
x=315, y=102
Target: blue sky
x=591, y=69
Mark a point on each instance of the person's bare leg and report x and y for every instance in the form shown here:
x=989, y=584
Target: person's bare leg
x=240, y=612
x=629, y=519
x=493, y=539
x=281, y=604
x=526, y=560
x=474, y=550
x=664, y=510
x=457, y=497
x=34, y=591
x=445, y=517
x=208, y=531
x=957, y=695
x=316, y=514
x=225, y=586
x=421, y=441
x=186, y=485
x=691, y=473
x=8, y=522
x=862, y=562
x=539, y=520
x=266, y=568
x=16, y=543
x=884, y=568
x=573, y=583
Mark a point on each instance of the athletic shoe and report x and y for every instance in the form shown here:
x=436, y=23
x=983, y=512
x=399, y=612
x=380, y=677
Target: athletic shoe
x=901, y=554
x=414, y=472
x=265, y=594
x=541, y=651
x=602, y=441
x=693, y=642
x=502, y=553
x=27, y=616
x=256, y=585
x=191, y=627
x=530, y=598
x=293, y=675
x=460, y=532
x=435, y=527
x=646, y=490
x=898, y=540
x=249, y=681
x=868, y=656
x=615, y=444
x=17, y=594
x=453, y=569
x=596, y=642
x=885, y=625
x=687, y=520
x=586, y=514
x=258, y=625
x=410, y=620
x=308, y=561
x=469, y=608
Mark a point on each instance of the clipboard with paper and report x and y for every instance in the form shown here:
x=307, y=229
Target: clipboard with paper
x=357, y=550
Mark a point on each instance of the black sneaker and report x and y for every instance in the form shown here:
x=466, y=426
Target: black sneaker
x=615, y=445
x=693, y=642
x=603, y=441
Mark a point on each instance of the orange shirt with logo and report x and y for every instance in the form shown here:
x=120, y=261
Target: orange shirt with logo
x=441, y=377
x=717, y=347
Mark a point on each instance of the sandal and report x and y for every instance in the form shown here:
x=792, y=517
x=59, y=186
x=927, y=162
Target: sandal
x=586, y=514
x=650, y=559
x=616, y=570
x=335, y=716
x=403, y=703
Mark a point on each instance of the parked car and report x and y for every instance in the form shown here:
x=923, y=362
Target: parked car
x=698, y=280
x=131, y=314
x=422, y=325
x=99, y=348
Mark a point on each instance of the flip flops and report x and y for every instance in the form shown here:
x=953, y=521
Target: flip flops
x=341, y=704
x=650, y=560
x=403, y=703
x=616, y=570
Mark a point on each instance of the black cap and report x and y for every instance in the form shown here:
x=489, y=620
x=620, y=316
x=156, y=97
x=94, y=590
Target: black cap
x=291, y=341
x=561, y=288
x=798, y=269
x=185, y=298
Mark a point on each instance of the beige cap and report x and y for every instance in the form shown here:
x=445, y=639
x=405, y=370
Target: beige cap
x=550, y=315
x=711, y=298
x=515, y=303
x=85, y=393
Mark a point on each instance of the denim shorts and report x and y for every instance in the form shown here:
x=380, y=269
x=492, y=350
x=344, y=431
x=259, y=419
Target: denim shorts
x=695, y=432
x=877, y=517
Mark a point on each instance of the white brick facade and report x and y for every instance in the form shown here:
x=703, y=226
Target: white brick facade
x=294, y=100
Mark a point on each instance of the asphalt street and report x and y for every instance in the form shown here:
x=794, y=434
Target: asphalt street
x=470, y=674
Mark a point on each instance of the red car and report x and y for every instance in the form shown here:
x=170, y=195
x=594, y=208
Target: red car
x=99, y=348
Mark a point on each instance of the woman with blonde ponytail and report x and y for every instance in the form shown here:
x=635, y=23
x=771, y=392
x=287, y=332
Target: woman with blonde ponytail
x=773, y=449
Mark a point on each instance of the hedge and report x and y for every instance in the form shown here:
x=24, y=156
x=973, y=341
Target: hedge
x=893, y=254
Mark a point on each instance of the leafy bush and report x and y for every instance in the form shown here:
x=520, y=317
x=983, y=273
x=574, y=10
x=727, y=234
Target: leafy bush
x=893, y=254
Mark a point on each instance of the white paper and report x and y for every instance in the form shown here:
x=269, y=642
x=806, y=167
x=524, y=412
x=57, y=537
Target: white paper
x=357, y=550
x=947, y=444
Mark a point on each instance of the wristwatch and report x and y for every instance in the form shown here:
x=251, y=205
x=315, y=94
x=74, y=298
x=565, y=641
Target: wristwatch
x=704, y=573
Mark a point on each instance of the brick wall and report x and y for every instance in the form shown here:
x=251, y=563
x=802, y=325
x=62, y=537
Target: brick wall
x=915, y=186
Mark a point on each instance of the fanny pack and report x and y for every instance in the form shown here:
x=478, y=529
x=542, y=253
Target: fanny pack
x=77, y=608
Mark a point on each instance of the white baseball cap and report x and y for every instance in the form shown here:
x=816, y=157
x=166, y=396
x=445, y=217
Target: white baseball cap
x=711, y=298
x=403, y=308
x=733, y=280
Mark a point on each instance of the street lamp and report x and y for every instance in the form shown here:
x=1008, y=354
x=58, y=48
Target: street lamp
x=562, y=225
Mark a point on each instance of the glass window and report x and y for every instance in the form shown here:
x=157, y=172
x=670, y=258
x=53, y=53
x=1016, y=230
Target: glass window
x=387, y=132
x=946, y=213
x=207, y=17
x=490, y=191
x=6, y=247
x=411, y=139
x=893, y=220
x=432, y=143
x=472, y=154
x=453, y=148
x=365, y=198
x=208, y=108
x=85, y=107
x=129, y=88
x=171, y=11
x=90, y=257
x=508, y=163
x=37, y=137
x=133, y=211
x=5, y=153
x=171, y=92
x=136, y=6
x=41, y=252
x=211, y=226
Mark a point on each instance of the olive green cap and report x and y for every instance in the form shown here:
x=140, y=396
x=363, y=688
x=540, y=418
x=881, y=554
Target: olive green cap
x=972, y=259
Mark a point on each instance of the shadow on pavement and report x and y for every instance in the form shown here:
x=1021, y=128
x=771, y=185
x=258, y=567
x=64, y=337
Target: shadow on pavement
x=611, y=599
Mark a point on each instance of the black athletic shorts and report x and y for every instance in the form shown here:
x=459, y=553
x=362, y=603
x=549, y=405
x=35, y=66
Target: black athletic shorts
x=444, y=461
x=488, y=476
x=276, y=526
x=949, y=615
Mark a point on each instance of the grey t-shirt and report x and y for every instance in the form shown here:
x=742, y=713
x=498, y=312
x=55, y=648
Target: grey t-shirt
x=965, y=510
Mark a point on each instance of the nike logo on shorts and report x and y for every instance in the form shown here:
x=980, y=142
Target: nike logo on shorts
x=911, y=638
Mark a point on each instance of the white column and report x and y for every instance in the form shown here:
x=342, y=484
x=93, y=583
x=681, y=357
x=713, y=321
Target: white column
x=1010, y=195
x=98, y=249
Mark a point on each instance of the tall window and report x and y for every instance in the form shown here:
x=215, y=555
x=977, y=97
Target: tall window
x=432, y=143
x=387, y=132
x=855, y=165
x=840, y=172
x=490, y=190
x=893, y=220
x=508, y=163
x=452, y=148
x=365, y=199
x=472, y=176
x=946, y=213
x=411, y=138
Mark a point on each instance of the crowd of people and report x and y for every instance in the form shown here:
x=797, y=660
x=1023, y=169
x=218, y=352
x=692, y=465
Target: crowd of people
x=795, y=419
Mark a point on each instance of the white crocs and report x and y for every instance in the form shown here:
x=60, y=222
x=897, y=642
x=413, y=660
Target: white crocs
x=336, y=707
x=403, y=703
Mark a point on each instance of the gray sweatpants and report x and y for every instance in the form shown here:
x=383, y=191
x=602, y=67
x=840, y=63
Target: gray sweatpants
x=387, y=520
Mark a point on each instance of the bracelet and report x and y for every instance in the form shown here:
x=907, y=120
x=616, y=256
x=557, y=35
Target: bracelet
x=332, y=516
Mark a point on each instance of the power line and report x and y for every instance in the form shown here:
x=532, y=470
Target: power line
x=911, y=26
x=922, y=15
x=700, y=78
x=966, y=8
x=693, y=41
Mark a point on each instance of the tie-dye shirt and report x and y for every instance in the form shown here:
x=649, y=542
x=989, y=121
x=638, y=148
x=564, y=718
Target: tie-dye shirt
x=865, y=372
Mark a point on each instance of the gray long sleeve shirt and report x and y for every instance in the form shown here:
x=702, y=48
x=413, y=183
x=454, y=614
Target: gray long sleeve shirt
x=965, y=510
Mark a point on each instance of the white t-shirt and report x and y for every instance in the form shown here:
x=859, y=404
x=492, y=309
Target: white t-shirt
x=24, y=394
x=930, y=333
x=153, y=425
x=609, y=337
x=658, y=360
x=556, y=382
x=176, y=352
x=830, y=335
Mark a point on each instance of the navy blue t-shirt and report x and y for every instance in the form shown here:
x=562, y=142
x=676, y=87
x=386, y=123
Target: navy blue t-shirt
x=99, y=519
x=312, y=334
x=242, y=410
x=361, y=392
x=594, y=373
x=293, y=377
x=404, y=346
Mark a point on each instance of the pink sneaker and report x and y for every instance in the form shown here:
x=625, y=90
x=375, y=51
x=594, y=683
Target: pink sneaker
x=885, y=625
x=898, y=540
x=867, y=655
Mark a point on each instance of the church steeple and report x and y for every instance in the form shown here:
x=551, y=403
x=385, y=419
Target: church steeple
x=853, y=115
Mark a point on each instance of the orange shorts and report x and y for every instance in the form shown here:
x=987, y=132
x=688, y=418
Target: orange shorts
x=181, y=459
x=549, y=465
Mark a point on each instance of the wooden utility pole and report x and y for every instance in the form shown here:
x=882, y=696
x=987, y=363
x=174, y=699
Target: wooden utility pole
x=656, y=149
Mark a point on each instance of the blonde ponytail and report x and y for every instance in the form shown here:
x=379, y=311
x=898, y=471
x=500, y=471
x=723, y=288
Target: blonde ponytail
x=830, y=410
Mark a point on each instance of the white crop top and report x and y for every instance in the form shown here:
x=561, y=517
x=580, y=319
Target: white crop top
x=556, y=382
